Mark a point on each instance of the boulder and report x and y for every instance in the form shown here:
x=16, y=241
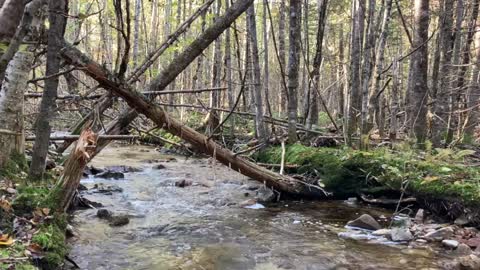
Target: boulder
x=463, y=249
x=401, y=234
x=183, y=183
x=452, y=244
x=383, y=232
x=473, y=242
x=110, y=175
x=265, y=195
x=123, y=169
x=420, y=216
x=50, y=164
x=120, y=220
x=470, y=262
x=365, y=221
x=159, y=167
x=104, y=214
x=440, y=234
x=107, y=189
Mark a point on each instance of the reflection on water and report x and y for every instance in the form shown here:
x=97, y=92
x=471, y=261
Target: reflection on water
x=201, y=227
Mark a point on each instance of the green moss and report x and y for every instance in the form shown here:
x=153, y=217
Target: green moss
x=29, y=198
x=15, y=168
x=51, y=238
x=346, y=172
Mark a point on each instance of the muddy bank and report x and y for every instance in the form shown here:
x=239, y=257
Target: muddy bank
x=205, y=225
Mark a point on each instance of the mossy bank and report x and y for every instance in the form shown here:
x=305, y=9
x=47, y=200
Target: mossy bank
x=34, y=230
x=440, y=179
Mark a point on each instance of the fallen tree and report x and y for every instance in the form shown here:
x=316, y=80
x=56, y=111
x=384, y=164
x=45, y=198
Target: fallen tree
x=157, y=114
x=73, y=138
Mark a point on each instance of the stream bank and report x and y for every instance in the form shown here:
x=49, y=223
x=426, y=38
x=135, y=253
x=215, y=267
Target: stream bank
x=205, y=225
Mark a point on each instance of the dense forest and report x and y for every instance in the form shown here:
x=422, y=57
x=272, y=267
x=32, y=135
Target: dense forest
x=372, y=100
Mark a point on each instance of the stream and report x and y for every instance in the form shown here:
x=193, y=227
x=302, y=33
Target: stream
x=202, y=226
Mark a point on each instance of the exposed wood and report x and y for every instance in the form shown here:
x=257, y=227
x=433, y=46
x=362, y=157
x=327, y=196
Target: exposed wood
x=74, y=166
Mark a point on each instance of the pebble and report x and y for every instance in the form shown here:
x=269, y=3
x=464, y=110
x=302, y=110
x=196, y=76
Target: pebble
x=450, y=243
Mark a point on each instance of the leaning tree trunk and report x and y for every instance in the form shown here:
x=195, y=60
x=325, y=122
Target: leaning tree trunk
x=179, y=64
x=158, y=115
x=419, y=65
x=106, y=101
x=11, y=105
x=47, y=107
x=293, y=67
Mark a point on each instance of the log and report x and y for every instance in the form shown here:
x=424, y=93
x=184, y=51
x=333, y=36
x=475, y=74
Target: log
x=76, y=137
x=162, y=119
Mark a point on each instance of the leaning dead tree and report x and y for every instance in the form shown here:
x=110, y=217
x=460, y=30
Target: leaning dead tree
x=201, y=142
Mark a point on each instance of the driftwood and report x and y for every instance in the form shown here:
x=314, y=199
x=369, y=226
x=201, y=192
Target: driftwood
x=76, y=137
x=386, y=201
x=74, y=166
x=199, y=141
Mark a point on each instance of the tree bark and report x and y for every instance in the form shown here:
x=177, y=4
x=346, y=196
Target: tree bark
x=47, y=107
x=293, y=66
x=418, y=92
x=474, y=93
x=10, y=16
x=282, y=54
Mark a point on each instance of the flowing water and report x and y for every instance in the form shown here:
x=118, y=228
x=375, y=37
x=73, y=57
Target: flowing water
x=203, y=227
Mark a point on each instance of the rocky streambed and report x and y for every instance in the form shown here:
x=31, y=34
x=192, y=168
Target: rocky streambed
x=178, y=213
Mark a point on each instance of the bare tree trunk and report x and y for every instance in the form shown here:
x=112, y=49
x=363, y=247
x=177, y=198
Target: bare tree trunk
x=394, y=103
x=257, y=89
x=213, y=117
x=441, y=105
x=282, y=54
x=355, y=83
x=228, y=64
x=368, y=65
x=136, y=31
x=474, y=93
x=47, y=107
x=456, y=58
x=419, y=65
x=293, y=66
x=11, y=105
x=312, y=118
x=374, y=112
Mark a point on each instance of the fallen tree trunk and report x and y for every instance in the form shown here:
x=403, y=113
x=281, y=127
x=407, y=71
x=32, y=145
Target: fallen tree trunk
x=76, y=137
x=157, y=114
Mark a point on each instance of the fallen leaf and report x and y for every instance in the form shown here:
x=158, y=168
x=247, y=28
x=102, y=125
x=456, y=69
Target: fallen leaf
x=5, y=205
x=6, y=240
